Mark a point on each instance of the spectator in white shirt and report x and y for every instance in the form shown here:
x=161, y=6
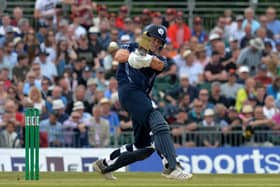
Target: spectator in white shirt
x=49, y=69
x=192, y=69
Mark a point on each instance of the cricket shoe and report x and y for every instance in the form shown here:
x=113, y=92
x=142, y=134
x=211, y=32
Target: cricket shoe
x=166, y=171
x=178, y=174
x=99, y=166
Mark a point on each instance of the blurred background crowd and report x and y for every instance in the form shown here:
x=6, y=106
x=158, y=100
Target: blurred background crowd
x=222, y=86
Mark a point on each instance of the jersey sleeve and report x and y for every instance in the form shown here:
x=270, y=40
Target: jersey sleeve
x=130, y=46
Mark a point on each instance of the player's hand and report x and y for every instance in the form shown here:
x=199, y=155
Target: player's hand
x=138, y=61
x=157, y=64
x=122, y=55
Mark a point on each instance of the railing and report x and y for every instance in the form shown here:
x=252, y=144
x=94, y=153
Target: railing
x=186, y=139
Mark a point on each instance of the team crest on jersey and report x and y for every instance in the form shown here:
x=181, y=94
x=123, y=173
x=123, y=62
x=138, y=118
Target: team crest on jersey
x=161, y=31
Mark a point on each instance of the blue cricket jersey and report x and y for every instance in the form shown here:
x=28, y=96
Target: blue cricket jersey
x=142, y=79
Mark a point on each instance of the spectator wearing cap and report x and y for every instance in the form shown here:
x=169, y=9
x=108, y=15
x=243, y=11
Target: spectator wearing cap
x=192, y=69
x=91, y=90
x=30, y=81
x=87, y=74
x=54, y=130
x=79, y=107
x=104, y=36
x=200, y=54
x=179, y=32
x=120, y=20
x=94, y=41
x=262, y=75
x=10, y=34
x=243, y=74
x=184, y=88
x=233, y=44
x=263, y=21
x=21, y=68
x=169, y=17
x=251, y=55
x=215, y=71
x=75, y=131
x=249, y=19
x=49, y=68
x=210, y=46
x=99, y=129
x=230, y=88
x=244, y=93
x=110, y=115
x=237, y=30
x=273, y=23
x=198, y=30
x=58, y=107
x=208, y=124
x=108, y=59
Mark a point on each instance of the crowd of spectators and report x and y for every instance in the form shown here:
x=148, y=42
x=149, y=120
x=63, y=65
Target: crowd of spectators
x=223, y=83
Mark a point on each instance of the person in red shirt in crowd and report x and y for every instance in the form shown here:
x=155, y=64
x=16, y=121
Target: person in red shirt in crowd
x=262, y=76
x=122, y=15
x=179, y=32
x=83, y=9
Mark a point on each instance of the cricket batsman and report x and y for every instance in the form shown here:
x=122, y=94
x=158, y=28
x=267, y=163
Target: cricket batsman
x=138, y=68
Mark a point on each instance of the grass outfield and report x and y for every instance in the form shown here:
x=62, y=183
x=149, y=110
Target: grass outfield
x=137, y=179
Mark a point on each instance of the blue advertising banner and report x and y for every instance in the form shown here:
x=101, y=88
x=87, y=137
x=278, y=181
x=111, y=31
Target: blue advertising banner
x=219, y=160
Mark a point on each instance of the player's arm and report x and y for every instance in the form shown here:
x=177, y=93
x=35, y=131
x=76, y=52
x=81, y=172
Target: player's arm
x=138, y=61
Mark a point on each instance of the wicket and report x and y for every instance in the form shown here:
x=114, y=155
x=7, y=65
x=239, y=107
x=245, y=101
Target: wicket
x=32, y=118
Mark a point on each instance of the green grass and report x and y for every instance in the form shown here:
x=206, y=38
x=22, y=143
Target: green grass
x=60, y=179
